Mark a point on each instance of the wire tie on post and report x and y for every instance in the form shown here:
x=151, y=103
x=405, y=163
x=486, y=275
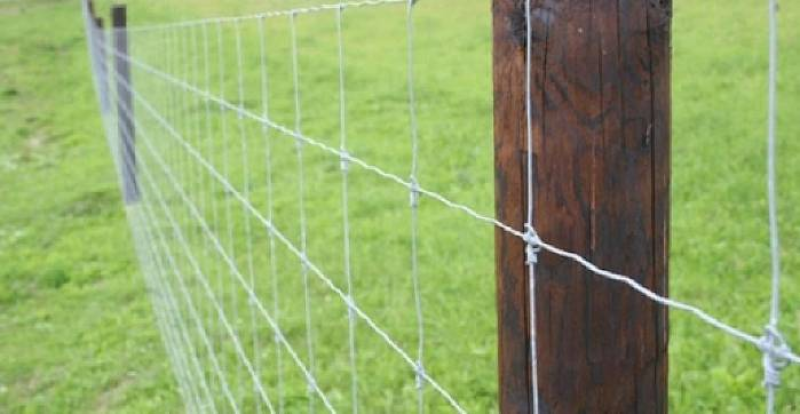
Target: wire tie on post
x=533, y=245
x=774, y=347
x=278, y=337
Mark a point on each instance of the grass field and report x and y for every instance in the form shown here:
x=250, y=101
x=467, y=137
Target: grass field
x=77, y=331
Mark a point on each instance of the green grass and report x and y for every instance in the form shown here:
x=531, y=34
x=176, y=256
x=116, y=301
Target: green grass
x=77, y=332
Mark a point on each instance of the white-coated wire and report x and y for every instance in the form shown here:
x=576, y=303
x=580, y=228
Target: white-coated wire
x=351, y=317
x=353, y=160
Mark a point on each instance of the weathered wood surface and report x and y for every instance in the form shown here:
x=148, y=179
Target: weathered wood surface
x=601, y=113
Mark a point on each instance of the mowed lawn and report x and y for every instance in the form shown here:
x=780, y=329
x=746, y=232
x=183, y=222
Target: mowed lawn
x=77, y=330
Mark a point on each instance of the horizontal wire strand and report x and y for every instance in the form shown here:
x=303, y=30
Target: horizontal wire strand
x=269, y=14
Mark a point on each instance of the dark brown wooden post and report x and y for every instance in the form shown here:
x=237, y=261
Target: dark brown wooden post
x=127, y=132
x=90, y=5
x=601, y=122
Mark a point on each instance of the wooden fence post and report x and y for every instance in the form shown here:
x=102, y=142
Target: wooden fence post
x=601, y=133
x=127, y=132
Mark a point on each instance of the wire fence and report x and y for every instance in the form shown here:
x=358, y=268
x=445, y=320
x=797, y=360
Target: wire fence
x=230, y=202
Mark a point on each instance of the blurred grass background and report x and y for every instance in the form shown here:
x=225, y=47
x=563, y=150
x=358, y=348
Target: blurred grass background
x=76, y=327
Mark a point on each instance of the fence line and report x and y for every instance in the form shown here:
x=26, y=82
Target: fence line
x=149, y=237
x=528, y=238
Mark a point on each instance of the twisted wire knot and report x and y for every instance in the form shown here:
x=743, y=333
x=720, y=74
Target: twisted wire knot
x=774, y=347
x=344, y=161
x=415, y=190
x=533, y=245
x=351, y=311
x=420, y=374
x=312, y=383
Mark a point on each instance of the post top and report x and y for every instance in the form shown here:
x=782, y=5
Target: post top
x=119, y=15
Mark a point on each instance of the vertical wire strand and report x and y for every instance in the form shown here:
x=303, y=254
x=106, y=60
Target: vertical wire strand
x=209, y=182
x=531, y=261
x=234, y=301
x=246, y=193
x=415, y=198
x=772, y=190
x=182, y=162
x=771, y=164
x=351, y=317
x=200, y=122
x=273, y=269
x=303, y=228
x=218, y=214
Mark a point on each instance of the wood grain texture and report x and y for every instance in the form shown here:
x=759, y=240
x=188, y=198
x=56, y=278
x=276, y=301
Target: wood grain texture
x=601, y=109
